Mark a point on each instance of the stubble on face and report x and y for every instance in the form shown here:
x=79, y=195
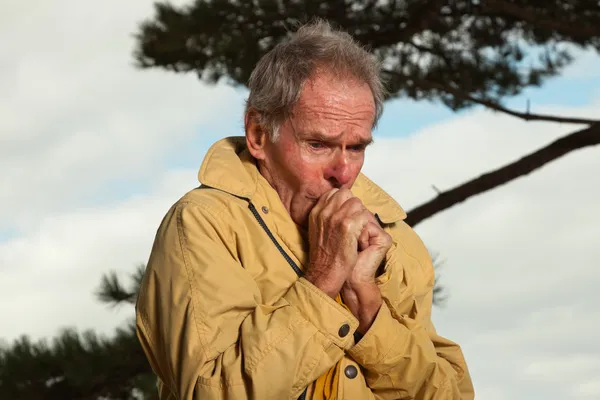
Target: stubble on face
x=331, y=115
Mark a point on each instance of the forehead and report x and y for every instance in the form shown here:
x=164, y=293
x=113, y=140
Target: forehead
x=327, y=97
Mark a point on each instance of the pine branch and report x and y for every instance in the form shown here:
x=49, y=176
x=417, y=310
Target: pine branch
x=439, y=292
x=77, y=366
x=536, y=18
x=421, y=20
x=492, y=105
x=589, y=136
x=111, y=290
x=136, y=278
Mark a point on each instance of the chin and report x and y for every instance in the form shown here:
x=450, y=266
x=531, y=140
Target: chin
x=302, y=218
x=302, y=223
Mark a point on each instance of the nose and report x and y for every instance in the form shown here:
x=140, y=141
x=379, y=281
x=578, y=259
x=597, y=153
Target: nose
x=338, y=171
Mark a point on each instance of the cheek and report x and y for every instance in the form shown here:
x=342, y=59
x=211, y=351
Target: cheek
x=310, y=172
x=299, y=165
x=355, y=168
x=289, y=156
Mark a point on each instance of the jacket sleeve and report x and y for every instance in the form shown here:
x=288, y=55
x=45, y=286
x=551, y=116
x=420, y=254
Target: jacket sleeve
x=402, y=355
x=207, y=332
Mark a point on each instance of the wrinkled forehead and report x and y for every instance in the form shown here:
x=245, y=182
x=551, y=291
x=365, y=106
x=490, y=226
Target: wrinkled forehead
x=324, y=87
x=331, y=98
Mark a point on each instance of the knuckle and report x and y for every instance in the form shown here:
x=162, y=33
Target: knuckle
x=347, y=224
x=354, y=203
x=355, y=200
x=350, y=206
x=387, y=238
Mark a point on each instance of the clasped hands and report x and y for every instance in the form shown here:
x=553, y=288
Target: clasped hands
x=346, y=248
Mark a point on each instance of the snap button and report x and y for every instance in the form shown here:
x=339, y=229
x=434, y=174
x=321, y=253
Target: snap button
x=344, y=330
x=265, y=209
x=351, y=372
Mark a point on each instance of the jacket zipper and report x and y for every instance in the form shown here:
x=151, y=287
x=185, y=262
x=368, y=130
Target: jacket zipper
x=268, y=231
x=298, y=271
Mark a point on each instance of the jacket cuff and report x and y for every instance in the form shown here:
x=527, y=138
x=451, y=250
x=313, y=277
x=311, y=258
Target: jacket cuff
x=378, y=340
x=390, y=284
x=386, y=280
x=334, y=321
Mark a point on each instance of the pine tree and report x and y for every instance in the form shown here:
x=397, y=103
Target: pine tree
x=83, y=365
x=458, y=52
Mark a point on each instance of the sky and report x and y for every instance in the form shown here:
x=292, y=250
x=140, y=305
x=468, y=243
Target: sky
x=93, y=152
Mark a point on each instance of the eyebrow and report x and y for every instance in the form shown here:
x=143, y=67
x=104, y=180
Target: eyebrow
x=316, y=135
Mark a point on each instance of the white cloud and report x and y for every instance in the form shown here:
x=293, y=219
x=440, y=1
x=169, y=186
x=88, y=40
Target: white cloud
x=73, y=103
x=588, y=390
x=51, y=274
x=520, y=261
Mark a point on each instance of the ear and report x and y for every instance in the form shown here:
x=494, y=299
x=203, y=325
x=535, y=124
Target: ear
x=256, y=134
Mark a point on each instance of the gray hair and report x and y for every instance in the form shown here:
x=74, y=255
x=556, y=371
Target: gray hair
x=277, y=80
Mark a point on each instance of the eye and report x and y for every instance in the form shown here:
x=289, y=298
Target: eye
x=315, y=145
x=358, y=148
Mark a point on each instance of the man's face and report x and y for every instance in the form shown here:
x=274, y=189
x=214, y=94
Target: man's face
x=322, y=145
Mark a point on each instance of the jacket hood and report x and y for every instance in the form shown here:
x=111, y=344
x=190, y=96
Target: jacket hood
x=229, y=166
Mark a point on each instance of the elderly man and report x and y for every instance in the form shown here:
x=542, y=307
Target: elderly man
x=288, y=274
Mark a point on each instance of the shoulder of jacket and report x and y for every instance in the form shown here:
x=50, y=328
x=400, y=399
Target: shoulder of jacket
x=213, y=201
x=412, y=244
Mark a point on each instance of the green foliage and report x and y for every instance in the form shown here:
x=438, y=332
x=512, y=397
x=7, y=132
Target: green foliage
x=439, y=292
x=81, y=365
x=486, y=48
x=111, y=291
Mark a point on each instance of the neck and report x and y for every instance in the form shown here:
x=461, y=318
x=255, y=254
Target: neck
x=285, y=196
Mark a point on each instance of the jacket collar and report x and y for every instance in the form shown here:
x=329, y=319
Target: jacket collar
x=377, y=200
x=228, y=166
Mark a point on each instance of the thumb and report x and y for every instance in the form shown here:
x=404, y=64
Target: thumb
x=364, y=239
x=370, y=236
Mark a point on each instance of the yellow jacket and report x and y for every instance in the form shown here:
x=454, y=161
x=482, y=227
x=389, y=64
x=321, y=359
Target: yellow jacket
x=223, y=314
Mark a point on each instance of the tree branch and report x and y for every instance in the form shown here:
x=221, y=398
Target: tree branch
x=589, y=136
x=527, y=116
x=532, y=16
x=421, y=20
x=394, y=29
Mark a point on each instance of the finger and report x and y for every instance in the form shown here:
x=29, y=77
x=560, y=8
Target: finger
x=336, y=201
x=351, y=207
x=372, y=230
x=323, y=200
x=372, y=217
x=355, y=224
x=363, y=240
x=328, y=195
x=358, y=206
x=379, y=237
x=375, y=234
x=339, y=198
